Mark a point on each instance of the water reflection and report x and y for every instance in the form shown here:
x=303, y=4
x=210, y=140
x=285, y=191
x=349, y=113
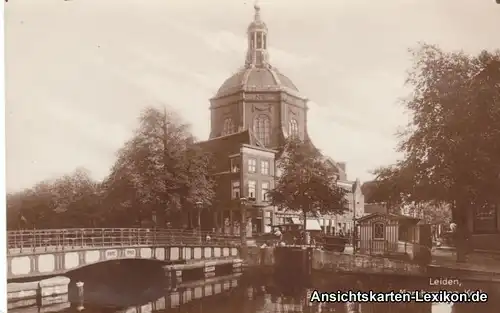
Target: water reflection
x=262, y=294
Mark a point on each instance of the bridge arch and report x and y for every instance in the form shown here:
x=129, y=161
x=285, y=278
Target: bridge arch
x=42, y=260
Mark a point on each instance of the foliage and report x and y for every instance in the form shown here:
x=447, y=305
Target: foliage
x=452, y=144
x=59, y=203
x=307, y=183
x=429, y=212
x=157, y=172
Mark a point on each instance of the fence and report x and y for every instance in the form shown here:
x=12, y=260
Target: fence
x=61, y=239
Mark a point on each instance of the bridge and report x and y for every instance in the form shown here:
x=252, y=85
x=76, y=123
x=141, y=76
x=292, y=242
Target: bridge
x=34, y=253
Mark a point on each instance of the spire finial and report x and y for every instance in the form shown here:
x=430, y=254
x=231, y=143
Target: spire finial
x=256, y=6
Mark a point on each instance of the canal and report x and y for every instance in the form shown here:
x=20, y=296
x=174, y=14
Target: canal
x=121, y=289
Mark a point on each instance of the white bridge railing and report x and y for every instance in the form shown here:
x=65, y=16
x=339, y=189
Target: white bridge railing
x=24, y=241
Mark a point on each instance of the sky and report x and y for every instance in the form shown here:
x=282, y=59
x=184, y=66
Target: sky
x=79, y=72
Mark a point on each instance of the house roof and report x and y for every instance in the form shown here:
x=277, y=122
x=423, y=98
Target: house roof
x=391, y=216
x=224, y=146
x=229, y=144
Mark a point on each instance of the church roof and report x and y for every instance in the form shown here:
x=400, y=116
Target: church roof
x=257, y=79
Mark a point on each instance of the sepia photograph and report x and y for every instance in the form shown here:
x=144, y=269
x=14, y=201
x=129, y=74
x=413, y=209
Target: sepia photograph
x=257, y=156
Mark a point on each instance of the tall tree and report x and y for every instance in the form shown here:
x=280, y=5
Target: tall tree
x=157, y=171
x=452, y=144
x=77, y=200
x=196, y=186
x=30, y=208
x=307, y=183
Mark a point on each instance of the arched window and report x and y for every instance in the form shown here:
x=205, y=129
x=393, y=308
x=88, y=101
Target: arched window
x=293, y=128
x=262, y=129
x=228, y=127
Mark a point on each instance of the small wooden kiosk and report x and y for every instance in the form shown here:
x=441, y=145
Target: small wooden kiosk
x=382, y=233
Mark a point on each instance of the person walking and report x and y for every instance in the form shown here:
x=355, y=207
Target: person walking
x=459, y=239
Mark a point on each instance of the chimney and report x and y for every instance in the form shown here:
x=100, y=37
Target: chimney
x=342, y=165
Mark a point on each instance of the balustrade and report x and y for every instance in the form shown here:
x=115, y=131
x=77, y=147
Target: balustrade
x=81, y=238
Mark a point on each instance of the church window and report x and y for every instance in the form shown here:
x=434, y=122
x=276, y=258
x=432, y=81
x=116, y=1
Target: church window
x=293, y=128
x=228, y=127
x=259, y=40
x=262, y=128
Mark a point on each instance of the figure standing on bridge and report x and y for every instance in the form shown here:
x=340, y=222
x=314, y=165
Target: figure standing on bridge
x=23, y=222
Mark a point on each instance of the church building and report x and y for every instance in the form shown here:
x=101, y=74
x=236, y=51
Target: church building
x=252, y=115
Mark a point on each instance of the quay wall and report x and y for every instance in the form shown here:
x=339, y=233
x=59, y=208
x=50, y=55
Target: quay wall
x=257, y=256
x=45, y=288
x=46, y=294
x=320, y=261
x=363, y=264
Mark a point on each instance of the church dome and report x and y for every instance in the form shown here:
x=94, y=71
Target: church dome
x=257, y=74
x=257, y=79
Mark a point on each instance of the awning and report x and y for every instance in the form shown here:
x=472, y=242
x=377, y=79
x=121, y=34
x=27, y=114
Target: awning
x=296, y=221
x=312, y=225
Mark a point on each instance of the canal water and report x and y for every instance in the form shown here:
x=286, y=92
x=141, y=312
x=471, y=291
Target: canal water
x=255, y=292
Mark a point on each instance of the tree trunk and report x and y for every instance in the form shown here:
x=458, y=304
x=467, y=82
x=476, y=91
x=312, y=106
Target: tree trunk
x=459, y=217
x=304, y=227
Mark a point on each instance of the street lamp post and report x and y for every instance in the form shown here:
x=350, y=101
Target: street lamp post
x=243, y=227
x=199, y=206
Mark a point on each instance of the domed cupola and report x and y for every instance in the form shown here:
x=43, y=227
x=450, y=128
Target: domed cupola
x=258, y=97
x=257, y=74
